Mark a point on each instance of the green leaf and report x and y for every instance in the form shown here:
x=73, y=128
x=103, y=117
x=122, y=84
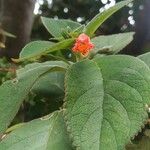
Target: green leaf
x=105, y=101
x=35, y=48
x=146, y=58
x=56, y=27
x=97, y=21
x=79, y=29
x=14, y=127
x=14, y=92
x=113, y=43
x=47, y=133
x=38, y=48
x=49, y=84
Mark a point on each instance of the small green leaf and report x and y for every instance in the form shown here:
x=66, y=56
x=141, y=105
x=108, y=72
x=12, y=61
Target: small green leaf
x=114, y=43
x=14, y=92
x=48, y=133
x=97, y=21
x=56, y=27
x=146, y=58
x=105, y=101
x=38, y=48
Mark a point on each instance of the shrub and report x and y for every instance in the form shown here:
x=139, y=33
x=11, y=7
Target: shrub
x=106, y=94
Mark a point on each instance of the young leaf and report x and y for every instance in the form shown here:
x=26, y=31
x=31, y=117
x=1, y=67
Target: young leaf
x=115, y=42
x=13, y=92
x=47, y=133
x=55, y=27
x=97, y=21
x=105, y=101
x=38, y=48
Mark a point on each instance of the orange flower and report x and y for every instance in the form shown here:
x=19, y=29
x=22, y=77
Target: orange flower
x=83, y=45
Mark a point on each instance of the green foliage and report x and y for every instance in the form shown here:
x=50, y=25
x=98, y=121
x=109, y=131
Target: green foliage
x=69, y=30
x=105, y=97
x=56, y=27
x=111, y=44
x=47, y=133
x=36, y=49
x=7, y=71
x=143, y=144
x=146, y=58
x=50, y=83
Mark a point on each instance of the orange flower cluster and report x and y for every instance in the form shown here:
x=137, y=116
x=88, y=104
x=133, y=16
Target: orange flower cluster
x=83, y=45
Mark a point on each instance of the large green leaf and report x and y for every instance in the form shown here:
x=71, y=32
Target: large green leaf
x=56, y=27
x=146, y=58
x=97, y=21
x=47, y=133
x=112, y=43
x=105, y=101
x=38, y=48
x=50, y=84
x=13, y=92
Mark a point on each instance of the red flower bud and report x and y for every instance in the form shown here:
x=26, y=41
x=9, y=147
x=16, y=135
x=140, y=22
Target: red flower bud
x=83, y=45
